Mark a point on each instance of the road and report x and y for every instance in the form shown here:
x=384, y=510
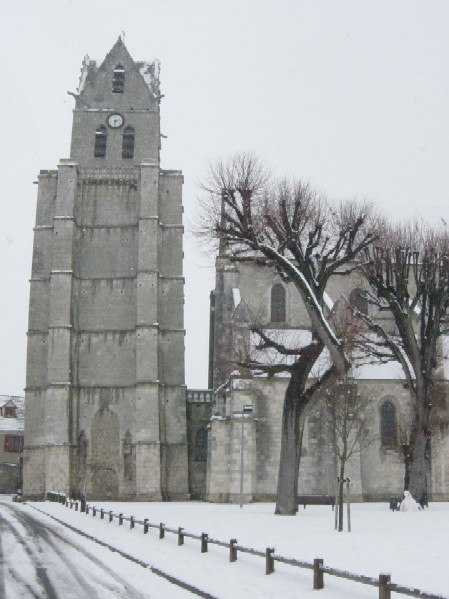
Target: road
x=41, y=559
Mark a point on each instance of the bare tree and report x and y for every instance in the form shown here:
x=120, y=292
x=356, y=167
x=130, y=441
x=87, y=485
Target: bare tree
x=408, y=277
x=342, y=409
x=288, y=226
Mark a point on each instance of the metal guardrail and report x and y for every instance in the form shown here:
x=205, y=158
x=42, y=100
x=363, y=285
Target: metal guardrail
x=383, y=582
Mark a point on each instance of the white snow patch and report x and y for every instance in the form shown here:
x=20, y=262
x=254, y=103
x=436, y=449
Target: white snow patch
x=236, y=296
x=380, y=542
x=328, y=301
x=408, y=504
x=377, y=371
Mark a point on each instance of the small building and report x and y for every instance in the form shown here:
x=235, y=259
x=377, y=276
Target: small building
x=11, y=442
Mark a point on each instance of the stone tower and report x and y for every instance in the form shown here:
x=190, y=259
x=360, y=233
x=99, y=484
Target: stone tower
x=105, y=392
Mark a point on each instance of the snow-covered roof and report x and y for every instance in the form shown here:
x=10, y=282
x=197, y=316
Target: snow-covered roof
x=297, y=338
x=290, y=339
x=389, y=371
x=8, y=424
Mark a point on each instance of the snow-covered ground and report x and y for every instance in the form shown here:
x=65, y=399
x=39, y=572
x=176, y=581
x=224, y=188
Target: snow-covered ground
x=411, y=546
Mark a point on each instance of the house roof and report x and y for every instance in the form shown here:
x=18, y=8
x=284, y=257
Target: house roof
x=8, y=424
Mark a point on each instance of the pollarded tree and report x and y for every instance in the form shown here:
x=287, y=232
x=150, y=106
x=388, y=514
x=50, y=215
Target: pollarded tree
x=297, y=232
x=408, y=277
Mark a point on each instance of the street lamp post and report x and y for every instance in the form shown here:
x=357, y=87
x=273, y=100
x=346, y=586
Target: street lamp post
x=247, y=410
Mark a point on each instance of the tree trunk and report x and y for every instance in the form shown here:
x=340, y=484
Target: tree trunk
x=420, y=466
x=407, y=464
x=292, y=428
x=341, y=483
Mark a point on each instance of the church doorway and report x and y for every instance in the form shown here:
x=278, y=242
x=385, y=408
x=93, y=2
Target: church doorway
x=105, y=454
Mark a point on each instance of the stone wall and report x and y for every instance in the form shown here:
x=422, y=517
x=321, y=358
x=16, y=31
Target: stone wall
x=105, y=398
x=9, y=478
x=376, y=472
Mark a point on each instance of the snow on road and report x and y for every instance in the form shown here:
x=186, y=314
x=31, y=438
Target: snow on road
x=409, y=546
x=40, y=558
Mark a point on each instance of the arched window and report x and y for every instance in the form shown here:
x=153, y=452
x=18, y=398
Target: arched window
x=358, y=301
x=101, y=135
x=201, y=445
x=388, y=431
x=278, y=303
x=128, y=143
x=118, y=80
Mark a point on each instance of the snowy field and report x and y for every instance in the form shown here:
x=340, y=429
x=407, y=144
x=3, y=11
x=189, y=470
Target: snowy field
x=410, y=546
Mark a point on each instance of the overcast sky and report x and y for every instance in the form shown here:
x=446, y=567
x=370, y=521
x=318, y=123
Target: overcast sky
x=350, y=95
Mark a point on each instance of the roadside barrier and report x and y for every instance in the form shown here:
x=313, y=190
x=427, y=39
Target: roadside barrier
x=383, y=582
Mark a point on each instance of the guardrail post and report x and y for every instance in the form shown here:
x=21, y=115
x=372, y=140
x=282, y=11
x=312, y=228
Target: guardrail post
x=384, y=586
x=180, y=536
x=131, y=522
x=87, y=510
x=161, y=530
x=120, y=519
x=204, y=539
x=110, y=516
x=94, y=511
x=145, y=526
x=269, y=560
x=232, y=550
x=318, y=577
x=76, y=506
x=101, y=514
x=83, y=505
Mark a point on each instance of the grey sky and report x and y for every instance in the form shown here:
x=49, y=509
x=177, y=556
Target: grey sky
x=352, y=96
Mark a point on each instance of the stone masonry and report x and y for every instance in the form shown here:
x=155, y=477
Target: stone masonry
x=105, y=390
x=243, y=294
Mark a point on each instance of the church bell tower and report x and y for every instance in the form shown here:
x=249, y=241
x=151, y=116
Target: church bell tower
x=105, y=392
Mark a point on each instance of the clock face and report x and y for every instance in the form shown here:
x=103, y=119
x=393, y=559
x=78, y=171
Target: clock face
x=115, y=120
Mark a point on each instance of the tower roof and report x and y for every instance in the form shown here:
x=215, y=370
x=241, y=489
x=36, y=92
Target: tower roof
x=149, y=70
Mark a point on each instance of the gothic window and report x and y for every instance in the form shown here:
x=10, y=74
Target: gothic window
x=100, y=142
x=201, y=445
x=128, y=143
x=388, y=431
x=14, y=443
x=118, y=80
x=278, y=303
x=358, y=301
